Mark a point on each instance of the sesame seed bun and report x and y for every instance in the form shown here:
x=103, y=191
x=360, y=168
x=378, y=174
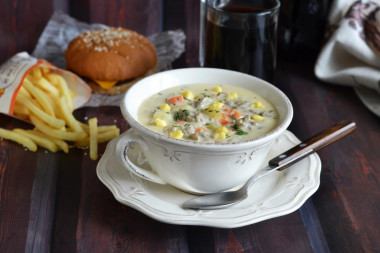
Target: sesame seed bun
x=114, y=55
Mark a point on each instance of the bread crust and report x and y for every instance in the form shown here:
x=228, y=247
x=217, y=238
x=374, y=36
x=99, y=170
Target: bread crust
x=111, y=54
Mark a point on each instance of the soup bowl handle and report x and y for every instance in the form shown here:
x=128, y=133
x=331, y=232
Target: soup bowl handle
x=121, y=149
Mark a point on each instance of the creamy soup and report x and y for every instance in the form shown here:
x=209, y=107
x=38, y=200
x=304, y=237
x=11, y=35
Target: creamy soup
x=208, y=113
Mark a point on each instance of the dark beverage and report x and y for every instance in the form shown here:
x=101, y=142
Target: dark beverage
x=245, y=43
x=302, y=28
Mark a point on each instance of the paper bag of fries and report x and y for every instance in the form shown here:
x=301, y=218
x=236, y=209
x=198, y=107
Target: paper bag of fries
x=38, y=92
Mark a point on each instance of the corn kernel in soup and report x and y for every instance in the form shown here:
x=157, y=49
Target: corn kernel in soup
x=208, y=113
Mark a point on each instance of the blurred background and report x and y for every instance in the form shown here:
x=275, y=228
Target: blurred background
x=301, y=24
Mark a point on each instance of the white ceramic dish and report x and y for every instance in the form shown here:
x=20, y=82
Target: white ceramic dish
x=193, y=166
x=275, y=195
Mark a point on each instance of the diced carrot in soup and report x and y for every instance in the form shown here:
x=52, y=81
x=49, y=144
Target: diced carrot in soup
x=177, y=100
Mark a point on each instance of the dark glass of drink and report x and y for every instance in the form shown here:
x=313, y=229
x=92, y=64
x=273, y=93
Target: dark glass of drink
x=242, y=36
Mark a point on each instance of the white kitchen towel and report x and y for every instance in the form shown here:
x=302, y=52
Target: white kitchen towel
x=351, y=56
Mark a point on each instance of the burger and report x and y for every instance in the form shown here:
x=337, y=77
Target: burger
x=111, y=60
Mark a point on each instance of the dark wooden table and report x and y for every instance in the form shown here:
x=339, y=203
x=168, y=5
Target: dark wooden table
x=56, y=203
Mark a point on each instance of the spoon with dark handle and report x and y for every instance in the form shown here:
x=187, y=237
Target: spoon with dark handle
x=278, y=163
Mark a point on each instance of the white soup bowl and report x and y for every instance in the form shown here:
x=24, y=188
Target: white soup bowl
x=195, y=167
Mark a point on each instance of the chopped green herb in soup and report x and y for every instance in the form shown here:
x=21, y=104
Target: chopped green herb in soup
x=208, y=113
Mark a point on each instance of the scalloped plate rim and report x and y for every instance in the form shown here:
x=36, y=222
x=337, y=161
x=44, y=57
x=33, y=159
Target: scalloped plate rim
x=212, y=218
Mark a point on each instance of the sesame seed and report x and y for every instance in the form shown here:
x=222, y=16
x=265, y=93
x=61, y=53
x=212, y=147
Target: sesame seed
x=103, y=40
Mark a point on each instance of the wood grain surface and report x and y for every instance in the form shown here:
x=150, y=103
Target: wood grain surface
x=56, y=203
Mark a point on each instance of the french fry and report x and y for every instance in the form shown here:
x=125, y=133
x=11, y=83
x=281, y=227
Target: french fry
x=85, y=142
x=101, y=138
x=41, y=97
x=21, y=110
x=65, y=92
x=40, y=141
x=52, y=77
x=109, y=135
x=93, y=124
x=101, y=129
x=52, y=121
x=24, y=141
x=44, y=70
x=60, y=143
x=68, y=116
x=54, y=101
x=23, y=92
x=106, y=128
x=63, y=135
x=36, y=73
x=44, y=84
x=46, y=101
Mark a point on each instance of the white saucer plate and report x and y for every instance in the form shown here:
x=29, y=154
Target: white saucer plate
x=278, y=194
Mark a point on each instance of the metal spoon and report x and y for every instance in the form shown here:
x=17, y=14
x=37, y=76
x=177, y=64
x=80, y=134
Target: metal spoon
x=280, y=162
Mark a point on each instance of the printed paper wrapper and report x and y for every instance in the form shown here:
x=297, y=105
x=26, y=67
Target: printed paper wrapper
x=14, y=71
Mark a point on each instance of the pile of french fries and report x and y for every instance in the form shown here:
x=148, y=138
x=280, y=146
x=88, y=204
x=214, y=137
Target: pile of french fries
x=45, y=100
